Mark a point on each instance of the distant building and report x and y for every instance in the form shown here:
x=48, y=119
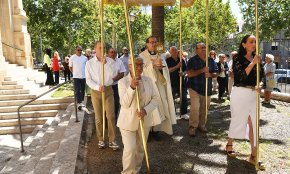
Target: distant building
x=280, y=48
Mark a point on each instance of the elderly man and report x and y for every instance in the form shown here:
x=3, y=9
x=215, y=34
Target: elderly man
x=94, y=81
x=120, y=68
x=129, y=117
x=125, y=58
x=174, y=65
x=156, y=69
x=197, y=73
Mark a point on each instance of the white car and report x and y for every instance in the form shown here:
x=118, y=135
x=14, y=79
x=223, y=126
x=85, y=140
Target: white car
x=282, y=75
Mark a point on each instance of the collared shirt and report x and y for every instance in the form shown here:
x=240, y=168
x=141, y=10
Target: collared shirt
x=125, y=60
x=269, y=67
x=197, y=83
x=78, y=64
x=94, y=73
x=119, y=67
x=174, y=76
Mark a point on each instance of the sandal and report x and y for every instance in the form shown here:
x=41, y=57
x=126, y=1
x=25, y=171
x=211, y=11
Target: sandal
x=230, y=153
x=252, y=160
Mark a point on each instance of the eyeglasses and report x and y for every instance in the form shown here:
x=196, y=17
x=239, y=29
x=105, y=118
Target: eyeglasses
x=201, y=47
x=152, y=42
x=79, y=50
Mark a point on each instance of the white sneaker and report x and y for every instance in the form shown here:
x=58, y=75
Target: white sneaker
x=114, y=145
x=185, y=116
x=101, y=144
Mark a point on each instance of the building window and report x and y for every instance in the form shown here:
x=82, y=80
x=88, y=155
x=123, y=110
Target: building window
x=274, y=46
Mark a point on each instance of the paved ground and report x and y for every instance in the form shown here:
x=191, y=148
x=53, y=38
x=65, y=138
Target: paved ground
x=181, y=153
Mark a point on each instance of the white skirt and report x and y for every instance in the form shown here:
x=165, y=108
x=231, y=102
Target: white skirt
x=243, y=105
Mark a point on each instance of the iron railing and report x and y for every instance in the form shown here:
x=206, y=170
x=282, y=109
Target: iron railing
x=51, y=89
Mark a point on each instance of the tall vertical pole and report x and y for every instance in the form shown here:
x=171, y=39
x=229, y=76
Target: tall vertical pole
x=101, y=4
x=180, y=57
x=137, y=90
x=206, y=58
x=257, y=83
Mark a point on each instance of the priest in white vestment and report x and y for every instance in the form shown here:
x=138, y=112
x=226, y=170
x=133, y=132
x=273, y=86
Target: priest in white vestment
x=156, y=69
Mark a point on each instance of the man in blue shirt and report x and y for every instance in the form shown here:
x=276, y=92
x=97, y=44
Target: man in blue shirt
x=197, y=73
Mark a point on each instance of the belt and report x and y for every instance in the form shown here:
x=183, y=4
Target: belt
x=248, y=87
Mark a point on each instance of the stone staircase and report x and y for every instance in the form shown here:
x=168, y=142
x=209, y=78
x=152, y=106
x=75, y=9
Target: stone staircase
x=52, y=148
x=19, y=86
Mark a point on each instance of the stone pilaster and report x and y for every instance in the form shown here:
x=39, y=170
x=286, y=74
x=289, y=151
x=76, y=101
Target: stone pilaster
x=2, y=61
x=7, y=30
x=22, y=40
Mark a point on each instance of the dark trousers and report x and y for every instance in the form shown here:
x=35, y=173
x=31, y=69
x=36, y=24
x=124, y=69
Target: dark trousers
x=184, y=98
x=79, y=87
x=56, y=77
x=222, y=81
x=116, y=100
x=49, y=76
x=67, y=74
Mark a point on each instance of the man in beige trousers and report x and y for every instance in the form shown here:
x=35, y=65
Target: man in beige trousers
x=94, y=81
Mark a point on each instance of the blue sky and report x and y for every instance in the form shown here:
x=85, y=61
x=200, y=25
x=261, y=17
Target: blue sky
x=235, y=9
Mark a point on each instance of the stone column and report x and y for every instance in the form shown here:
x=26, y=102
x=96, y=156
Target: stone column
x=22, y=40
x=2, y=61
x=7, y=30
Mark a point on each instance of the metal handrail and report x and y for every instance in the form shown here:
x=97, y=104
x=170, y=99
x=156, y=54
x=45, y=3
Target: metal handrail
x=51, y=89
x=12, y=46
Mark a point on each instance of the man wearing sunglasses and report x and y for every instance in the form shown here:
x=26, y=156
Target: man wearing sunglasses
x=77, y=63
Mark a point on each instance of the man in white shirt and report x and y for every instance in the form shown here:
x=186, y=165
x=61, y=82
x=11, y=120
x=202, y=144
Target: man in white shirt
x=120, y=68
x=77, y=63
x=94, y=81
x=125, y=58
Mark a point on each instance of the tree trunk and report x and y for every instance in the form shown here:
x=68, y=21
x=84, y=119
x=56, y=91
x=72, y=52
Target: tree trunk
x=158, y=22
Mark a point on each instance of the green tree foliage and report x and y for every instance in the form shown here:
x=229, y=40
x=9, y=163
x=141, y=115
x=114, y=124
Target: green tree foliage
x=64, y=24
x=221, y=23
x=273, y=17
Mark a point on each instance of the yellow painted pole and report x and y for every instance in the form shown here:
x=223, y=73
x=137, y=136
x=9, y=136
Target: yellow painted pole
x=101, y=4
x=258, y=84
x=137, y=91
x=180, y=57
x=206, y=60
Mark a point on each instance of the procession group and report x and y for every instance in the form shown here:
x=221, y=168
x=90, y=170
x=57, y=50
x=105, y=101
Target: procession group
x=157, y=78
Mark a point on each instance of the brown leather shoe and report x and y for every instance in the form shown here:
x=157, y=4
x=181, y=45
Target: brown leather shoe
x=191, y=131
x=202, y=130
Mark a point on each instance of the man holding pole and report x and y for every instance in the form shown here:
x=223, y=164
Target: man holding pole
x=197, y=73
x=129, y=117
x=156, y=69
x=94, y=81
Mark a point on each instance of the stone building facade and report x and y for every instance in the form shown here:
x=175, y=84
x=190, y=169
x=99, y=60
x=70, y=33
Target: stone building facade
x=15, y=46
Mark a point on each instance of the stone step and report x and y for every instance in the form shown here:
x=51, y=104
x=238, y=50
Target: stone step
x=67, y=153
x=7, y=78
x=14, y=92
x=30, y=114
x=16, y=97
x=26, y=121
x=35, y=107
x=15, y=130
x=38, y=101
x=9, y=83
x=11, y=87
x=39, y=149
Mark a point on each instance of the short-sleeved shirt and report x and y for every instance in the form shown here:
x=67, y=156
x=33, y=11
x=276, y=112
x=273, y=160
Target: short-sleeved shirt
x=78, y=63
x=269, y=67
x=174, y=76
x=197, y=83
x=119, y=67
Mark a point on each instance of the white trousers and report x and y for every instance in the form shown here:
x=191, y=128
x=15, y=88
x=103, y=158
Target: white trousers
x=133, y=152
x=243, y=105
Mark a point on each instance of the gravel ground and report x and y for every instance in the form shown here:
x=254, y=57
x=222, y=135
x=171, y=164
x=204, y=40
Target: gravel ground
x=204, y=153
